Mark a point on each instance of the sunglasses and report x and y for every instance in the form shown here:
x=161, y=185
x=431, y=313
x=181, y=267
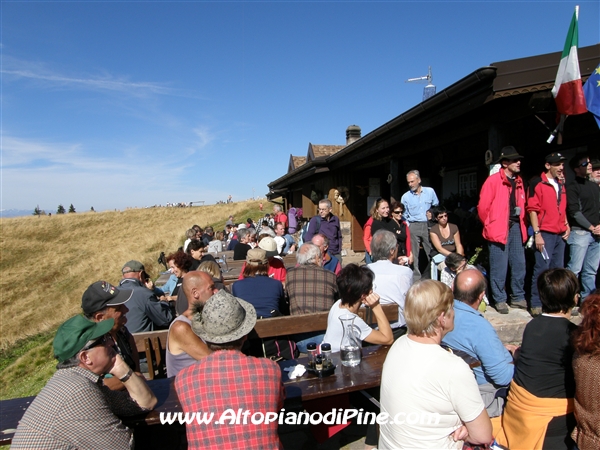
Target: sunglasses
x=98, y=342
x=397, y=212
x=441, y=216
x=584, y=164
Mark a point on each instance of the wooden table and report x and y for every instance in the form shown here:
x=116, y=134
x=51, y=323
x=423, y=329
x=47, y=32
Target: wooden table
x=309, y=387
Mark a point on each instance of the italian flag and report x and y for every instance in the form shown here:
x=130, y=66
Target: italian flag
x=568, y=91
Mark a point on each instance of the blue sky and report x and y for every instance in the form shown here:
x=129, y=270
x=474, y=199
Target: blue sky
x=116, y=104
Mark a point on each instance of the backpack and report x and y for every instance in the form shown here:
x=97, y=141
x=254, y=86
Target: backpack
x=305, y=230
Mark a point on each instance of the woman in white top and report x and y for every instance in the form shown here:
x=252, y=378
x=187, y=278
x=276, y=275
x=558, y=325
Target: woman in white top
x=355, y=285
x=430, y=395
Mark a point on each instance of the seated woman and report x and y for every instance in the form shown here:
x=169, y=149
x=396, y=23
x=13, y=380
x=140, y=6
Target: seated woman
x=214, y=270
x=420, y=380
x=241, y=248
x=445, y=239
x=586, y=366
x=264, y=293
x=355, y=285
x=277, y=268
x=198, y=251
x=216, y=245
x=539, y=409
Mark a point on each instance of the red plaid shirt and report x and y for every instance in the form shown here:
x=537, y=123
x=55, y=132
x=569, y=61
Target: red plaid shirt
x=228, y=379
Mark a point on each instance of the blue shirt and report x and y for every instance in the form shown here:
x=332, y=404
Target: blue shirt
x=476, y=336
x=416, y=205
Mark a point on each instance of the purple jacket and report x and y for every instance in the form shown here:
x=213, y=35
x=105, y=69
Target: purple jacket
x=329, y=227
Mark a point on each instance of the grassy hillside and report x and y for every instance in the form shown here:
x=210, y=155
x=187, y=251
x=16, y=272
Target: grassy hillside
x=47, y=263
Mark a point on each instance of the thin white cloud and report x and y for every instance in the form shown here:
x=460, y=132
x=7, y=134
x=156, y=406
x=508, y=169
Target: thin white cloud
x=14, y=69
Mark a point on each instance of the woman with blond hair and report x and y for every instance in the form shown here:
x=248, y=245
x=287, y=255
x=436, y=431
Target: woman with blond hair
x=586, y=367
x=430, y=394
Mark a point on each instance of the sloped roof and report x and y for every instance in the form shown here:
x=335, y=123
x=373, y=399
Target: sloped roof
x=321, y=151
x=295, y=162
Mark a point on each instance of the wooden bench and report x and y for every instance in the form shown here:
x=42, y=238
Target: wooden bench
x=154, y=343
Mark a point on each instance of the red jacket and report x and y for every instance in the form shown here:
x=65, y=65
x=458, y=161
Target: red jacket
x=552, y=215
x=494, y=202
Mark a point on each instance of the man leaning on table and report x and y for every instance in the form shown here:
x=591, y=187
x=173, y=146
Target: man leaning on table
x=74, y=409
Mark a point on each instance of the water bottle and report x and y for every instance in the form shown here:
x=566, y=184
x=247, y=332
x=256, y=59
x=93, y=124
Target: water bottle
x=351, y=346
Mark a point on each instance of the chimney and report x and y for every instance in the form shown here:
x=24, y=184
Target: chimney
x=352, y=134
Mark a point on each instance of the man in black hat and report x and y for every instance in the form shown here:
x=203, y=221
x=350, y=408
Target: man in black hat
x=74, y=409
x=146, y=311
x=501, y=209
x=583, y=212
x=102, y=301
x=547, y=209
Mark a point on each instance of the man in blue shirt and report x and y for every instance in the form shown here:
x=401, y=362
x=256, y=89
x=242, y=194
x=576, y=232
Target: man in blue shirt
x=475, y=335
x=417, y=201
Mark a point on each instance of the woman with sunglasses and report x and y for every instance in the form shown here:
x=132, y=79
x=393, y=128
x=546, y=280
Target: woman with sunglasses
x=395, y=224
x=445, y=238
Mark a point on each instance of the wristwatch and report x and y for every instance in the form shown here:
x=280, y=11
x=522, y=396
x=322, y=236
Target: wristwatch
x=536, y=232
x=127, y=376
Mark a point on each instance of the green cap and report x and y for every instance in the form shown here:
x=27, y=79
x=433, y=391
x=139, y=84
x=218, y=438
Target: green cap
x=72, y=335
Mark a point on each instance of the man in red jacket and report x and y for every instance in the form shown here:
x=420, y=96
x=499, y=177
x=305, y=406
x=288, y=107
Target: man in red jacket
x=501, y=208
x=547, y=209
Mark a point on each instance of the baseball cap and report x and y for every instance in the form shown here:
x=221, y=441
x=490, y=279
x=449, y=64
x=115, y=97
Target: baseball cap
x=133, y=266
x=101, y=294
x=73, y=335
x=554, y=158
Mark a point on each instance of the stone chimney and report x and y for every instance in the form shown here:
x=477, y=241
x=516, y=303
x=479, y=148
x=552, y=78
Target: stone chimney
x=352, y=134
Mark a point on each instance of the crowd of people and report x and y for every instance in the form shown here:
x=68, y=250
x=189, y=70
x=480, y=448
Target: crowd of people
x=543, y=394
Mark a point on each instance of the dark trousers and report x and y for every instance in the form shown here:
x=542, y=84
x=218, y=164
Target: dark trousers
x=555, y=247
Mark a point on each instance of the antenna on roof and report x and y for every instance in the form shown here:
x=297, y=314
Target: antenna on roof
x=428, y=90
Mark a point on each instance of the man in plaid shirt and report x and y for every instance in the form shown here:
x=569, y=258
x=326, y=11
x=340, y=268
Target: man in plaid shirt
x=227, y=381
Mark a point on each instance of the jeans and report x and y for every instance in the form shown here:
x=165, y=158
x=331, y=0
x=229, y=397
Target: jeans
x=555, y=246
x=419, y=235
x=501, y=257
x=368, y=259
x=584, y=256
x=306, y=338
x=434, y=265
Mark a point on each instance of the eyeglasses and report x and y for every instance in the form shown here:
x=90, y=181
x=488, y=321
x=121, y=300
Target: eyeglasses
x=397, y=212
x=441, y=216
x=584, y=164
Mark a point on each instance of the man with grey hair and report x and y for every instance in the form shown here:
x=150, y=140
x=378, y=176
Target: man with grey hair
x=241, y=248
x=310, y=288
x=146, y=311
x=392, y=281
x=279, y=216
x=329, y=225
x=74, y=409
x=417, y=201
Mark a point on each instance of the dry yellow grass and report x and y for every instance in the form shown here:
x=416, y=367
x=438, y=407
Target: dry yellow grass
x=48, y=262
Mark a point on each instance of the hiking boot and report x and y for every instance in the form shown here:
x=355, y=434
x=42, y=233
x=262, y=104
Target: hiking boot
x=575, y=312
x=502, y=308
x=522, y=304
x=537, y=311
